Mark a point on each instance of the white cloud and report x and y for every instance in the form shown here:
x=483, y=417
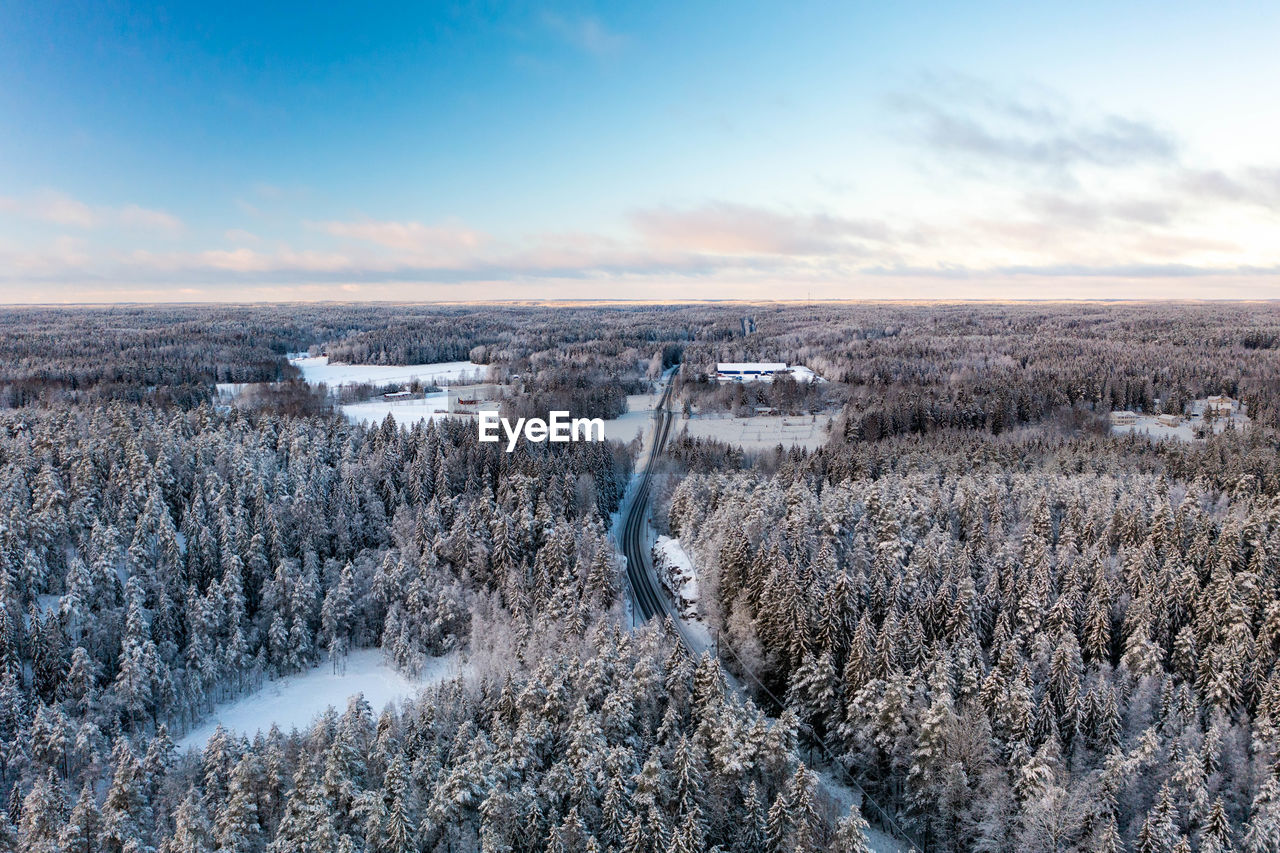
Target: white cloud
x=59, y=208
x=738, y=229
x=408, y=236
x=972, y=123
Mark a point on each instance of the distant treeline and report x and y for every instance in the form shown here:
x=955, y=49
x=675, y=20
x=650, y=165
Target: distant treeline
x=893, y=368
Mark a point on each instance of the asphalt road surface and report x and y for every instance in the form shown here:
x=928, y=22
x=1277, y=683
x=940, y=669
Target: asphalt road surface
x=648, y=598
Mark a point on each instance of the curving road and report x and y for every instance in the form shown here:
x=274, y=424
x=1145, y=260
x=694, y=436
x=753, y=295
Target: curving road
x=647, y=597
x=649, y=600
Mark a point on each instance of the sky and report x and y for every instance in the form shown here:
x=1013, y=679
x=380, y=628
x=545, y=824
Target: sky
x=656, y=150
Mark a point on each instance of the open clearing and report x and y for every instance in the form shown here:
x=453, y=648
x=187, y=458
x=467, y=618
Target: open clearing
x=318, y=370
x=406, y=412
x=759, y=433
x=295, y=701
x=1149, y=426
x=636, y=420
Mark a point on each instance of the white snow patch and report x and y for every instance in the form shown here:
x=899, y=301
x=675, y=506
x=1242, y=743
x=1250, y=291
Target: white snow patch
x=677, y=572
x=843, y=797
x=294, y=702
x=882, y=842
x=637, y=420
x=1149, y=426
x=762, y=432
x=406, y=412
x=318, y=369
x=674, y=568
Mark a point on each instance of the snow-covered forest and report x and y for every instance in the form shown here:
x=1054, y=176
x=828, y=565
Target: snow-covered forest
x=1014, y=630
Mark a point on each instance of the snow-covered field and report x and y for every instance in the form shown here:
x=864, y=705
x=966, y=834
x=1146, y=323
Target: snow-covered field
x=318, y=369
x=1147, y=425
x=637, y=419
x=406, y=413
x=296, y=701
x=759, y=433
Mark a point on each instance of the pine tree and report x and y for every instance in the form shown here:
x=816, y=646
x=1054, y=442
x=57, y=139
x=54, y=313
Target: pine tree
x=44, y=811
x=851, y=834
x=192, y=832
x=1262, y=833
x=1215, y=835
x=125, y=812
x=752, y=833
x=80, y=834
x=398, y=826
x=236, y=825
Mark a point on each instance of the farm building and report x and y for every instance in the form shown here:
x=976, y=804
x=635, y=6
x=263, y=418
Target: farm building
x=1221, y=404
x=748, y=371
x=469, y=399
x=1169, y=420
x=761, y=371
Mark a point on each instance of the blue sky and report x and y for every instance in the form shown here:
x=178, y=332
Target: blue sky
x=652, y=150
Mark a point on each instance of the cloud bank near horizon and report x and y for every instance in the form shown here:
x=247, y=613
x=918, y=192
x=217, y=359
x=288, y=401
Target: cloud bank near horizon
x=1006, y=194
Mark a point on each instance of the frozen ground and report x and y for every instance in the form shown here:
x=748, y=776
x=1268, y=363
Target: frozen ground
x=294, y=702
x=637, y=419
x=673, y=553
x=1147, y=425
x=843, y=797
x=233, y=389
x=1186, y=431
x=406, y=412
x=759, y=433
x=318, y=369
x=687, y=581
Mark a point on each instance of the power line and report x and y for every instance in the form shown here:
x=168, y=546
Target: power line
x=654, y=602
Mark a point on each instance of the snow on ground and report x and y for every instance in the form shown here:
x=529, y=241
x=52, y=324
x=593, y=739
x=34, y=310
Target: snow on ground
x=882, y=842
x=318, y=369
x=637, y=419
x=1147, y=425
x=1186, y=431
x=800, y=373
x=843, y=797
x=232, y=389
x=406, y=412
x=674, y=569
x=760, y=433
x=294, y=702
x=679, y=567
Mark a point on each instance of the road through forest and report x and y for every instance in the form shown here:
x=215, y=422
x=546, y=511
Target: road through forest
x=649, y=601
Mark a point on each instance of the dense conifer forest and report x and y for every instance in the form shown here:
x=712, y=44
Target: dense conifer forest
x=1009, y=627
